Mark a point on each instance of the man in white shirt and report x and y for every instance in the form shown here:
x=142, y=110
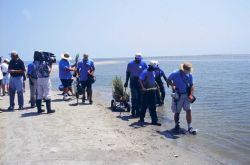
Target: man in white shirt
x=6, y=76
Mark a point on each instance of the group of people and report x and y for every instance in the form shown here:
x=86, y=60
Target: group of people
x=83, y=69
x=146, y=85
x=147, y=90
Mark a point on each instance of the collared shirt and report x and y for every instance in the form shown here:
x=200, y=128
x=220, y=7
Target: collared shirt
x=158, y=74
x=16, y=65
x=181, y=80
x=63, y=73
x=148, y=78
x=84, y=67
x=135, y=69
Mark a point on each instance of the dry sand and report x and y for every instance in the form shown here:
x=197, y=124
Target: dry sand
x=84, y=134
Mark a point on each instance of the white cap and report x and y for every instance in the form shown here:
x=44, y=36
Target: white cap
x=152, y=63
x=13, y=52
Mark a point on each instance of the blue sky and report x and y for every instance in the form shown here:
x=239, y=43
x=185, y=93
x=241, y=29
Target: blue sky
x=119, y=28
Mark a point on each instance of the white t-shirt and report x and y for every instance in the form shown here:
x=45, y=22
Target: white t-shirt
x=4, y=67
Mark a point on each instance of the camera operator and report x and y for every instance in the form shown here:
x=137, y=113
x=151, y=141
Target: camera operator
x=43, y=69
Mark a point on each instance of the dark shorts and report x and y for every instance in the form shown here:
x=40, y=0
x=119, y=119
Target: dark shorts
x=66, y=83
x=86, y=84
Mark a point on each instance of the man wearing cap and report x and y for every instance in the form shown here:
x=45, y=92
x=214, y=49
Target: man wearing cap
x=134, y=69
x=65, y=74
x=6, y=76
x=148, y=86
x=159, y=73
x=16, y=69
x=86, y=68
x=181, y=82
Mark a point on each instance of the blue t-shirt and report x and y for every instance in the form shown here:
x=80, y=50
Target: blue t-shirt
x=63, y=73
x=148, y=78
x=181, y=80
x=135, y=69
x=31, y=70
x=84, y=67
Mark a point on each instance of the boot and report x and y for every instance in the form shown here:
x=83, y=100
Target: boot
x=48, y=106
x=39, y=106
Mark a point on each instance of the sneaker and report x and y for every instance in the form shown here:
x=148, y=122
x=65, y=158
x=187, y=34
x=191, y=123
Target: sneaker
x=20, y=108
x=156, y=124
x=192, y=131
x=90, y=101
x=65, y=97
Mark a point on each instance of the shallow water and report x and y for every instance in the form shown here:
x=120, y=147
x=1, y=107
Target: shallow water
x=221, y=112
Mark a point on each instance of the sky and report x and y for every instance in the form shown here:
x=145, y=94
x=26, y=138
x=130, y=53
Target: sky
x=120, y=28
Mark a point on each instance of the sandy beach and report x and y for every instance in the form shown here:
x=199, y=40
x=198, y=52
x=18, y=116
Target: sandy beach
x=84, y=134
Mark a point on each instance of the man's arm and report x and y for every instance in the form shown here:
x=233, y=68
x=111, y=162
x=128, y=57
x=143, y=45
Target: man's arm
x=127, y=77
x=142, y=86
x=21, y=71
x=164, y=76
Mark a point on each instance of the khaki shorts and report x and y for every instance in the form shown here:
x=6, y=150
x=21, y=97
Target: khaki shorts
x=183, y=102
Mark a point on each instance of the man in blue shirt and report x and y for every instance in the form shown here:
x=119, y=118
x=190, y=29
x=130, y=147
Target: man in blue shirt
x=86, y=69
x=181, y=82
x=32, y=75
x=159, y=73
x=65, y=74
x=134, y=69
x=148, y=86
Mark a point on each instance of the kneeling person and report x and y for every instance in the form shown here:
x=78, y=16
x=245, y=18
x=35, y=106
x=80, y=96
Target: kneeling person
x=148, y=85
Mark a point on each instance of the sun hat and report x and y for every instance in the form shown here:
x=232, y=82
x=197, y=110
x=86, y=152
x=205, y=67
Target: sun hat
x=65, y=56
x=187, y=66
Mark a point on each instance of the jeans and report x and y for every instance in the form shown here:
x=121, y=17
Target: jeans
x=148, y=101
x=135, y=100
x=33, y=91
x=16, y=84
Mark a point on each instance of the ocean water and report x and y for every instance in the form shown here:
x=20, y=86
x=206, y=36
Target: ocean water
x=221, y=112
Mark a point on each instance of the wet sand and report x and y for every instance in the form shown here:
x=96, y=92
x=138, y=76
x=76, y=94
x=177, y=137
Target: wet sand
x=84, y=134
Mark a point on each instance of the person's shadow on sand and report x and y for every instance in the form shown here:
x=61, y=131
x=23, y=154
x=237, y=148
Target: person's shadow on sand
x=30, y=114
x=125, y=118
x=173, y=133
x=139, y=124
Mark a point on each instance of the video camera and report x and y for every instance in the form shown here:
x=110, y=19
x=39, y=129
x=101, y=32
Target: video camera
x=48, y=57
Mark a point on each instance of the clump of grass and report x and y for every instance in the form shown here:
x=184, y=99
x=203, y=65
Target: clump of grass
x=118, y=90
